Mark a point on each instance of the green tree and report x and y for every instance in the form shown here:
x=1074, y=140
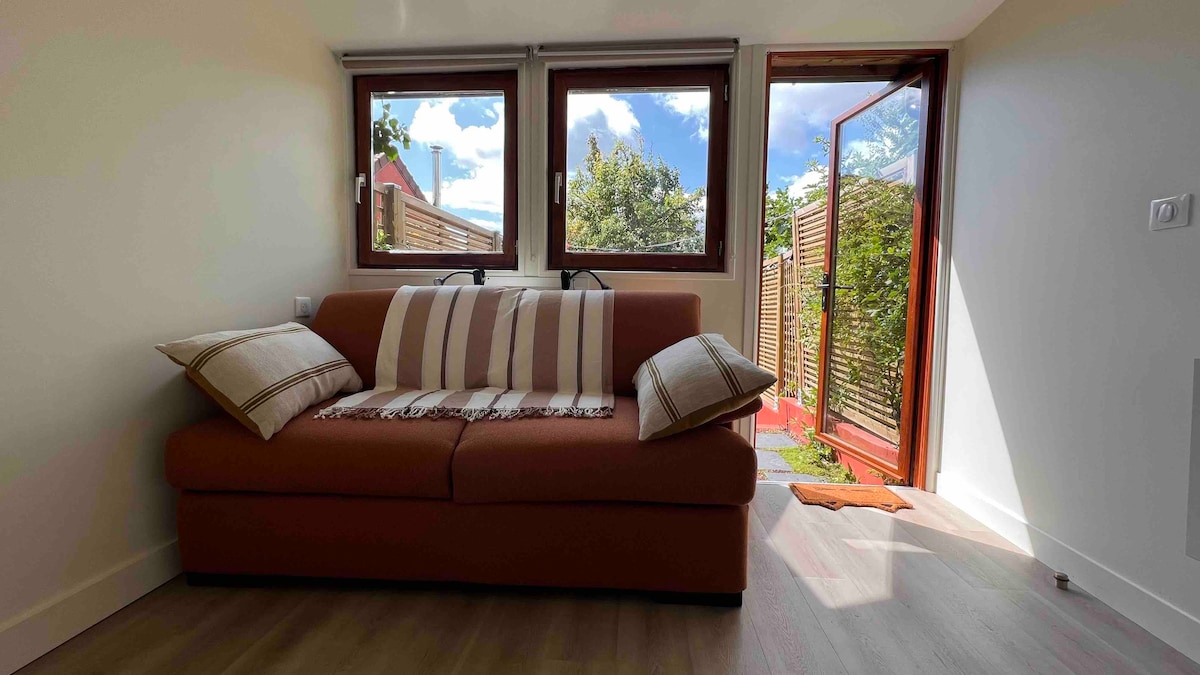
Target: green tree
x=891, y=134
x=387, y=132
x=777, y=230
x=631, y=200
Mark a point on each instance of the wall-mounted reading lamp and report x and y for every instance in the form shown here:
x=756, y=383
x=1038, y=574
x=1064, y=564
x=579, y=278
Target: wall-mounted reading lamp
x=569, y=277
x=477, y=274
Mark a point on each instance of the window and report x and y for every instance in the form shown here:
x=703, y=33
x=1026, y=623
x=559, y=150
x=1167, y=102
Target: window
x=638, y=168
x=436, y=157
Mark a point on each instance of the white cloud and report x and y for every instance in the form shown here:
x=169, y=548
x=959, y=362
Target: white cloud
x=692, y=105
x=434, y=122
x=493, y=225
x=800, y=111
x=859, y=146
x=482, y=189
x=618, y=115
x=799, y=186
x=476, y=151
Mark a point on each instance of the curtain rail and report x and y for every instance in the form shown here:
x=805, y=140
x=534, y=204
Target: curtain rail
x=511, y=55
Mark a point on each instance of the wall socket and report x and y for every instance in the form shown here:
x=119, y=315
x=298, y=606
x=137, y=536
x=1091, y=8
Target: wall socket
x=303, y=307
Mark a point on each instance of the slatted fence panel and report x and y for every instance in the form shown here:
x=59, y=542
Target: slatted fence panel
x=786, y=281
x=768, y=324
x=414, y=225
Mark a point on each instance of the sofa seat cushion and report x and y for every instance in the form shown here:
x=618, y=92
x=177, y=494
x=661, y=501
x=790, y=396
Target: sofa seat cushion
x=562, y=459
x=386, y=458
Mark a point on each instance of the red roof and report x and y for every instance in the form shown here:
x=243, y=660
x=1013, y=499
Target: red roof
x=396, y=172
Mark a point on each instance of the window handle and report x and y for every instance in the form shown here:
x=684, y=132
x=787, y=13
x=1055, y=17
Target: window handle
x=359, y=183
x=558, y=183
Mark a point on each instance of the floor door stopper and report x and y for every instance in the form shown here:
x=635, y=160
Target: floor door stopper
x=1061, y=580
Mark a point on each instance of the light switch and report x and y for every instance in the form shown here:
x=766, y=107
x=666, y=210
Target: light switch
x=1170, y=212
x=303, y=307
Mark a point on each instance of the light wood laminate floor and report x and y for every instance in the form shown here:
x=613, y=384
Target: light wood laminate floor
x=850, y=591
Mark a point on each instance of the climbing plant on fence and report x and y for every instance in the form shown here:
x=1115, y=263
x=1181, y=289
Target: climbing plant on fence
x=873, y=256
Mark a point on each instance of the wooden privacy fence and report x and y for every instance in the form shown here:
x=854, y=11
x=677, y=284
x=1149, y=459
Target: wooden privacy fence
x=411, y=224
x=769, y=311
x=782, y=349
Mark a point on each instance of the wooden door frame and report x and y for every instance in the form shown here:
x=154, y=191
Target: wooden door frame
x=931, y=66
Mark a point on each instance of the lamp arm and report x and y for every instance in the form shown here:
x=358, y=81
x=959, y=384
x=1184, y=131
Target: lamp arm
x=477, y=276
x=568, y=279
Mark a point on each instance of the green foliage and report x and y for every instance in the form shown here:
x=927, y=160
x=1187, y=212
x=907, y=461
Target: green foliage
x=387, y=132
x=893, y=133
x=631, y=200
x=383, y=241
x=777, y=232
x=874, y=247
x=809, y=460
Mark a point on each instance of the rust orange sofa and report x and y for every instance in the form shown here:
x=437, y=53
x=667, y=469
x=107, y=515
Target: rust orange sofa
x=537, y=501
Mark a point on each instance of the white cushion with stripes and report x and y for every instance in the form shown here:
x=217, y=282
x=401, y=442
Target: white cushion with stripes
x=266, y=376
x=693, y=382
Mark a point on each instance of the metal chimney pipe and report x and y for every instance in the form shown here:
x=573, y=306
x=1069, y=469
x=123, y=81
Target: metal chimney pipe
x=437, y=174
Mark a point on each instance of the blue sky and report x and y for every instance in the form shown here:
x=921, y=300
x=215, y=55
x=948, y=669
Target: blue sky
x=673, y=125
x=799, y=113
x=471, y=129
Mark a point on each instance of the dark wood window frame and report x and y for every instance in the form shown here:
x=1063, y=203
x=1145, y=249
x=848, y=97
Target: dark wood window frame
x=716, y=78
x=364, y=86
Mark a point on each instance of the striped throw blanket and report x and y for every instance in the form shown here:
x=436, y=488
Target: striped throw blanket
x=475, y=352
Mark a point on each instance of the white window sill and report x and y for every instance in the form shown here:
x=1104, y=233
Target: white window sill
x=551, y=276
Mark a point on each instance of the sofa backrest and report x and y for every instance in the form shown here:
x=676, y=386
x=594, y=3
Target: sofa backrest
x=644, y=322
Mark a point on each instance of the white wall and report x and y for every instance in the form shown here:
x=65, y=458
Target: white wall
x=1072, y=328
x=165, y=169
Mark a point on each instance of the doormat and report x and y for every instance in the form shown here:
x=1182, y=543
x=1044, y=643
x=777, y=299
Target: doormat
x=834, y=497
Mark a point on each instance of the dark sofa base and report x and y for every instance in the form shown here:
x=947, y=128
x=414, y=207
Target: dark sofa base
x=663, y=548
x=276, y=581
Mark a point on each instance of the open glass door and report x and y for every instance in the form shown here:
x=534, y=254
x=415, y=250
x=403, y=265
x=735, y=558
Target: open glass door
x=871, y=307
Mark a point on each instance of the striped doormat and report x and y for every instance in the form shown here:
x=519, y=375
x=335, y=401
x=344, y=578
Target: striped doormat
x=834, y=497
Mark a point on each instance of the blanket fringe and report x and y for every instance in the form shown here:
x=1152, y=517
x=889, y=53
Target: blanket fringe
x=468, y=414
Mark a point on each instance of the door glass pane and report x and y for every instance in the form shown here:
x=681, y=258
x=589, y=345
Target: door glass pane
x=637, y=170
x=437, y=172
x=877, y=164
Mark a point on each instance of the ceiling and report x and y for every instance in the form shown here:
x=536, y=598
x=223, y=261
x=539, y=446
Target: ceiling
x=406, y=24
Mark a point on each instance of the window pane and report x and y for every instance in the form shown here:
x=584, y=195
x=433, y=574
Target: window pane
x=637, y=170
x=438, y=172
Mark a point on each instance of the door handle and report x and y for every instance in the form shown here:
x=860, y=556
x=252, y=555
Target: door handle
x=826, y=286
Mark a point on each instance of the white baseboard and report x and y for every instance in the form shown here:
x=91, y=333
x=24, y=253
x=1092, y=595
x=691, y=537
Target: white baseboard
x=40, y=629
x=1156, y=614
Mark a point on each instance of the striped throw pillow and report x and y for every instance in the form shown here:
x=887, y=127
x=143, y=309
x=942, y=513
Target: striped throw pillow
x=267, y=376
x=692, y=382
